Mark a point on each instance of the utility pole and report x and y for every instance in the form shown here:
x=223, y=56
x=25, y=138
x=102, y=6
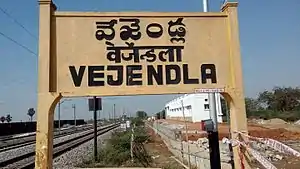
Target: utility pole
x=114, y=113
x=123, y=116
x=59, y=103
x=186, y=134
x=213, y=136
x=74, y=113
x=99, y=116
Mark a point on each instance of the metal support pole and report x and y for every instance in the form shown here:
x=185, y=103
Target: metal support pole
x=59, y=103
x=74, y=113
x=213, y=136
x=186, y=135
x=123, y=115
x=213, y=110
x=214, y=153
x=109, y=116
x=205, y=5
x=114, y=113
x=99, y=117
x=95, y=129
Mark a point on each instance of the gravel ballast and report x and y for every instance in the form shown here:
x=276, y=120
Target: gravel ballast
x=26, y=149
x=78, y=155
x=30, y=148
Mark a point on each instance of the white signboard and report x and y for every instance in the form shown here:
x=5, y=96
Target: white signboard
x=123, y=125
x=211, y=90
x=128, y=123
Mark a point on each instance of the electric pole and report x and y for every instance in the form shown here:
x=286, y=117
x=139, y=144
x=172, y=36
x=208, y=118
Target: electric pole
x=215, y=160
x=74, y=113
x=99, y=116
x=59, y=103
x=114, y=113
x=59, y=116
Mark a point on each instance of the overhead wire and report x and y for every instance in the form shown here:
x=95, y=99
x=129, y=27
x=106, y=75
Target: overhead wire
x=19, y=44
x=23, y=27
x=18, y=23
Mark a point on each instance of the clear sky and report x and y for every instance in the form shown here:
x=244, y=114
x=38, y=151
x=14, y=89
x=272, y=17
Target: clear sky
x=269, y=34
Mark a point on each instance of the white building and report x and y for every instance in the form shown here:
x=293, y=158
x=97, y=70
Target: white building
x=196, y=107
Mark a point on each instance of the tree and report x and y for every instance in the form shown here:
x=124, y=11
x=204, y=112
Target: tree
x=30, y=113
x=280, y=98
x=252, y=104
x=8, y=118
x=141, y=114
x=267, y=99
x=2, y=119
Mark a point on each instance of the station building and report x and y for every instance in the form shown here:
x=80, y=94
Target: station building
x=195, y=107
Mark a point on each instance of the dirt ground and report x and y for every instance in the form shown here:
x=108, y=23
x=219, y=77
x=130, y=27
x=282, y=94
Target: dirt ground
x=280, y=132
x=161, y=156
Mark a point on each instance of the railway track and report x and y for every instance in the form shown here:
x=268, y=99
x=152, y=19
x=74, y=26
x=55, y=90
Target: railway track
x=26, y=135
x=13, y=145
x=11, y=137
x=16, y=142
x=20, y=136
x=26, y=161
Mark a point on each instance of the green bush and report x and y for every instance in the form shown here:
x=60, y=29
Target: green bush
x=117, y=150
x=140, y=135
x=137, y=122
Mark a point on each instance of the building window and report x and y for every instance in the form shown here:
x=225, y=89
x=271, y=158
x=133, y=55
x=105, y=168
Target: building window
x=206, y=106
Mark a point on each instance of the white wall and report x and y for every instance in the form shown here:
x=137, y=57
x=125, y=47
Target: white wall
x=200, y=111
x=219, y=107
x=196, y=106
x=175, y=107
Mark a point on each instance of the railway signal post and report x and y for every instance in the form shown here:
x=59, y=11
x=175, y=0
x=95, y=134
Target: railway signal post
x=95, y=104
x=95, y=128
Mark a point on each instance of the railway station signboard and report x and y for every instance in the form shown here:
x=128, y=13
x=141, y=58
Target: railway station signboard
x=140, y=53
x=136, y=53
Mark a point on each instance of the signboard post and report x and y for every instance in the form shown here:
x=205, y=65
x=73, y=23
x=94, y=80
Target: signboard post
x=95, y=104
x=136, y=53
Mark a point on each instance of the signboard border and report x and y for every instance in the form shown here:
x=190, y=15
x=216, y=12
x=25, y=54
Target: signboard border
x=139, y=14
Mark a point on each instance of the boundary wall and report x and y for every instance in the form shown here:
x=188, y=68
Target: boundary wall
x=197, y=154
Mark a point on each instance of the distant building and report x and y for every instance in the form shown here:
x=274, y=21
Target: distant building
x=196, y=107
